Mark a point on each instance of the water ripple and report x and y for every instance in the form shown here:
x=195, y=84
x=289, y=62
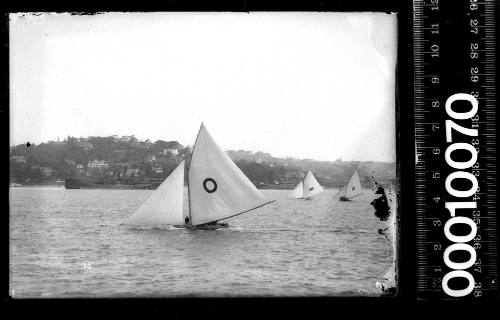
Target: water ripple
x=69, y=243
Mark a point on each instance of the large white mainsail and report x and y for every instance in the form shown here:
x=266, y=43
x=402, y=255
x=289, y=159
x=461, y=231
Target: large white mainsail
x=352, y=188
x=217, y=187
x=311, y=186
x=165, y=204
x=298, y=192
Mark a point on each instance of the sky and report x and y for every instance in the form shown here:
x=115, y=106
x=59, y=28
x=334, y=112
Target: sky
x=304, y=85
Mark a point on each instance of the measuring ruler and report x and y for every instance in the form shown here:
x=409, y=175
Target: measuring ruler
x=455, y=141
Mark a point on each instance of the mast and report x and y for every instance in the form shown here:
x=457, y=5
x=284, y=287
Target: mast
x=187, y=174
x=189, y=198
x=345, y=191
x=304, y=186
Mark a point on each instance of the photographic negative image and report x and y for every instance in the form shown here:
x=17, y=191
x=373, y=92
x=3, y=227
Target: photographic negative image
x=202, y=154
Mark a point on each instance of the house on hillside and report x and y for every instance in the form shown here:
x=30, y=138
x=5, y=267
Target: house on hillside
x=157, y=169
x=47, y=171
x=292, y=174
x=18, y=159
x=171, y=152
x=150, y=159
x=86, y=146
x=80, y=169
x=98, y=164
x=292, y=177
x=132, y=172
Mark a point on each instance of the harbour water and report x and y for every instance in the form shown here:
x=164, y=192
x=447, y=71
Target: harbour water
x=69, y=243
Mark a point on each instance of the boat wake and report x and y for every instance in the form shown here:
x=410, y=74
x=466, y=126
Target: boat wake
x=159, y=227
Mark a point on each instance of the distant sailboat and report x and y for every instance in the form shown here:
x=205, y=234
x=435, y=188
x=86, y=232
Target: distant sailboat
x=298, y=192
x=351, y=189
x=217, y=190
x=307, y=189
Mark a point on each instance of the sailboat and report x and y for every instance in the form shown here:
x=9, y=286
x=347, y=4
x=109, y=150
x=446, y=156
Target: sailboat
x=351, y=189
x=298, y=192
x=307, y=189
x=217, y=190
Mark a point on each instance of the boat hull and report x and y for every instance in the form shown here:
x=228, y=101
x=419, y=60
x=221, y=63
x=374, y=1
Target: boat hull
x=209, y=226
x=344, y=199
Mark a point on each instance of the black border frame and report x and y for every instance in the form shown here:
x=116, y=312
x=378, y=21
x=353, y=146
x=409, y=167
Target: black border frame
x=178, y=307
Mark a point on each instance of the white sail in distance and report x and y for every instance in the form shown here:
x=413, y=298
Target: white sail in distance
x=217, y=187
x=311, y=186
x=164, y=205
x=298, y=192
x=352, y=188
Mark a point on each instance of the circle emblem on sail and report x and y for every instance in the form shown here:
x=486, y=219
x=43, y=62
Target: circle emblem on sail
x=209, y=185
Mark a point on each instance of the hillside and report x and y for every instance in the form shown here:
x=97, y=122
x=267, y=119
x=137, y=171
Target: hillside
x=128, y=160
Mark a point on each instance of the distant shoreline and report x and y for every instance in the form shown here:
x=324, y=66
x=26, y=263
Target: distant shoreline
x=107, y=160
x=18, y=185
